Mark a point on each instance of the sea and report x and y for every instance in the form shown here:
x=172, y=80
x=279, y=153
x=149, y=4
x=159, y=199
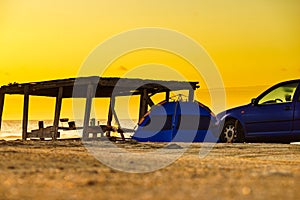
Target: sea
x=12, y=129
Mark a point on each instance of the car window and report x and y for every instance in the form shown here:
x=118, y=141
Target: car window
x=281, y=94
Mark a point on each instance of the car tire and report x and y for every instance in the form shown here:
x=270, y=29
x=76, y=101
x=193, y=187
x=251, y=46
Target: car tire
x=229, y=133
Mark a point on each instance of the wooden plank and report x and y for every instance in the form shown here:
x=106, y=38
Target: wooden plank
x=48, y=88
x=2, y=97
x=25, y=112
x=58, y=104
x=94, y=80
x=87, y=114
x=143, y=104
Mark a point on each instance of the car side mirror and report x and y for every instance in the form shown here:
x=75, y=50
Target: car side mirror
x=288, y=98
x=253, y=101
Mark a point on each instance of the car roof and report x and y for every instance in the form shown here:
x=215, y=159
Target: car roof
x=295, y=80
x=288, y=81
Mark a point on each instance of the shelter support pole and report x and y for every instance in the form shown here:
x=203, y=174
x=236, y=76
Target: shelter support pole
x=88, y=106
x=167, y=96
x=191, y=95
x=114, y=114
x=143, y=104
x=110, y=113
x=149, y=101
x=25, y=112
x=2, y=97
x=116, y=117
x=57, y=111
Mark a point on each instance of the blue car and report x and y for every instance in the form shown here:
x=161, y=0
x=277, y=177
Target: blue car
x=274, y=116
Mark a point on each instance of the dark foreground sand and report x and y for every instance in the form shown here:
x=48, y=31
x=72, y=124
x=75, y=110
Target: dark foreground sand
x=65, y=170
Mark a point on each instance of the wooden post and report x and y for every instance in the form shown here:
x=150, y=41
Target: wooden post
x=167, y=96
x=149, y=101
x=41, y=124
x=191, y=95
x=25, y=112
x=2, y=97
x=88, y=106
x=57, y=112
x=143, y=104
x=117, y=119
x=110, y=113
x=110, y=116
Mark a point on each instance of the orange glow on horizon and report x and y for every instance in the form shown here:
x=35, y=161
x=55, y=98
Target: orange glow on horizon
x=254, y=44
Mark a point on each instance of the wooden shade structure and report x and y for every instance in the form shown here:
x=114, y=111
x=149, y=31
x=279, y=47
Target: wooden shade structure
x=89, y=88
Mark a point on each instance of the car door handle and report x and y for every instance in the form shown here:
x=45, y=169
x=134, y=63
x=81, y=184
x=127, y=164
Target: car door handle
x=288, y=108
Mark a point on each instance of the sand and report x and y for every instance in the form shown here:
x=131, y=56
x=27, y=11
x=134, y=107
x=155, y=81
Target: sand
x=65, y=170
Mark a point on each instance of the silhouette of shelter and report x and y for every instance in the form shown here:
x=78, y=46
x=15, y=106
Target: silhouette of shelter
x=89, y=88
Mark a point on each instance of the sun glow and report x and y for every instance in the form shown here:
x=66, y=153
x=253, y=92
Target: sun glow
x=254, y=44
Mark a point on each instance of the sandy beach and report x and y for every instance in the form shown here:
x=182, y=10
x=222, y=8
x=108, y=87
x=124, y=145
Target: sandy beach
x=65, y=170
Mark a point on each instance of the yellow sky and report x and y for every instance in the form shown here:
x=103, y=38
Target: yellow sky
x=253, y=43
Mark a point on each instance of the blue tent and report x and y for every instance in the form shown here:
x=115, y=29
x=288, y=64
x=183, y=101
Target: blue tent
x=178, y=122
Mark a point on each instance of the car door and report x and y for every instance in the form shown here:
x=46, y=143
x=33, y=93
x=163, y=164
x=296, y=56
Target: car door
x=296, y=123
x=272, y=113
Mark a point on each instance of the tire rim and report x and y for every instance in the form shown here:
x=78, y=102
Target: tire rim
x=229, y=133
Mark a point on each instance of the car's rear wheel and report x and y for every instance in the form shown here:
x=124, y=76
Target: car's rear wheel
x=232, y=132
